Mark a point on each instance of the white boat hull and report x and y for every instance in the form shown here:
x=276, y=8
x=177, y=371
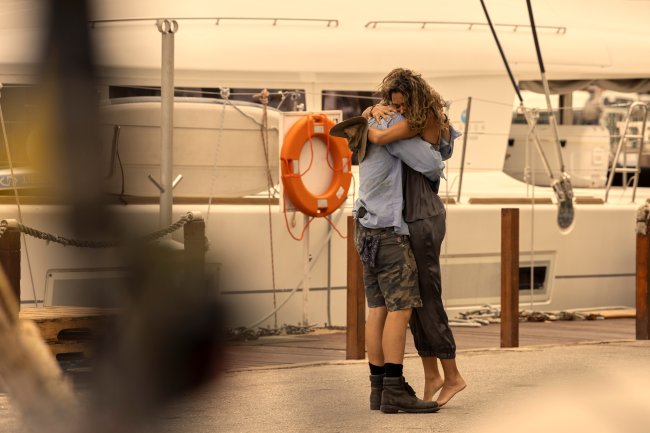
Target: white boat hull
x=590, y=265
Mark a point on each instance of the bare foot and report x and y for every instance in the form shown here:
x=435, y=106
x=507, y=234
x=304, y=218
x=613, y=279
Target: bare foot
x=431, y=386
x=450, y=389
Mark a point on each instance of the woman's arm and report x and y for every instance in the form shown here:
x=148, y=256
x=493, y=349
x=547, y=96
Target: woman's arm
x=446, y=145
x=398, y=131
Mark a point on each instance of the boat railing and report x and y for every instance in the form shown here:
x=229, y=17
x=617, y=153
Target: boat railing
x=467, y=25
x=635, y=168
x=329, y=22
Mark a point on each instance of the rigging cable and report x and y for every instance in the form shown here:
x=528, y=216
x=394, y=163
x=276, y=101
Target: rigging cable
x=547, y=91
x=530, y=180
x=562, y=186
x=295, y=289
x=503, y=55
x=213, y=179
x=15, y=189
x=264, y=99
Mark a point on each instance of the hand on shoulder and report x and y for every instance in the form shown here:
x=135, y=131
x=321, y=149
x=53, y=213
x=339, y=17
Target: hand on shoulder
x=380, y=111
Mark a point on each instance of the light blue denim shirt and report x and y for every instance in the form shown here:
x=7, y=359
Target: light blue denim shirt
x=380, y=176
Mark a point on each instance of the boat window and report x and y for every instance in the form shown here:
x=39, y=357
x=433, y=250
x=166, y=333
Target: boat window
x=539, y=277
x=590, y=105
x=281, y=99
x=351, y=103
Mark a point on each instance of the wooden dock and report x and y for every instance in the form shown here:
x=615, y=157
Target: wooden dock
x=329, y=345
x=68, y=330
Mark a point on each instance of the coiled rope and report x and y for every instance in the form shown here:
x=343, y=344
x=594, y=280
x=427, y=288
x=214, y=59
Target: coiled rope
x=6, y=224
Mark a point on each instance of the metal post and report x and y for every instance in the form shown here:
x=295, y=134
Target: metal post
x=167, y=28
x=509, y=277
x=462, y=158
x=642, y=285
x=306, y=279
x=329, y=275
x=355, y=341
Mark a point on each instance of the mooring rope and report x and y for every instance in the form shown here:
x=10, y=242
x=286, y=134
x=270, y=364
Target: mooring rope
x=642, y=217
x=5, y=225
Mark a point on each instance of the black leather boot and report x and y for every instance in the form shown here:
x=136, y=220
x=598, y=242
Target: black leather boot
x=399, y=396
x=376, y=386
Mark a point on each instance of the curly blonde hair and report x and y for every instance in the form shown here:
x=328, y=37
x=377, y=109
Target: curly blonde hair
x=419, y=97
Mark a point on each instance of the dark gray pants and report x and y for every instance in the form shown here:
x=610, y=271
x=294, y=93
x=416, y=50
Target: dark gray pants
x=429, y=323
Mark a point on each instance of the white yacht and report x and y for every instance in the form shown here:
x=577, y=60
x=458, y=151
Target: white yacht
x=331, y=57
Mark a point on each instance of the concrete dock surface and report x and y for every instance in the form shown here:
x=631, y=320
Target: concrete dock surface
x=598, y=387
x=578, y=388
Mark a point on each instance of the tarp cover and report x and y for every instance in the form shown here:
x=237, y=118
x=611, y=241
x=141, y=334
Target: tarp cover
x=633, y=85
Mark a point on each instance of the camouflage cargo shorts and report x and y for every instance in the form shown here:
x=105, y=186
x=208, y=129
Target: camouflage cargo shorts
x=392, y=280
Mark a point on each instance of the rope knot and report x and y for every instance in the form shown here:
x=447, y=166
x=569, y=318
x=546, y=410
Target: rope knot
x=263, y=96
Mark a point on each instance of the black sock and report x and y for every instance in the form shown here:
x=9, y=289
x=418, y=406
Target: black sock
x=376, y=370
x=393, y=370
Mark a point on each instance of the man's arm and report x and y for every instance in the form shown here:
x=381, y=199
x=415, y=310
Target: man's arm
x=419, y=155
x=414, y=152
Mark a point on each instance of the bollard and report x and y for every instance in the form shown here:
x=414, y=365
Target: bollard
x=10, y=260
x=355, y=343
x=642, y=292
x=194, y=246
x=509, y=277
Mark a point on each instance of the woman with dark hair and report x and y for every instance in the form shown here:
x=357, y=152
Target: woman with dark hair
x=408, y=94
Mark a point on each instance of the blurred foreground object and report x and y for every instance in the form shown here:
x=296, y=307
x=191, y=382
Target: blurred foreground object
x=29, y=371
x=170, y=340
x=66, y=142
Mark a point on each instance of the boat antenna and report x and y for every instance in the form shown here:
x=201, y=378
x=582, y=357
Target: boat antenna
x=562, y=187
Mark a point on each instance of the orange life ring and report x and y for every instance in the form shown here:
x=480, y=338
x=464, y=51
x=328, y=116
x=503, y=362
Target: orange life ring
x=309, y=126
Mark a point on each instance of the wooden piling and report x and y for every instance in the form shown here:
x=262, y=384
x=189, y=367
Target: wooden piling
x=509, y=277
x=10, y=260
x=194, y=239
x=194, y=246
x=356, y=304
x=642, y=283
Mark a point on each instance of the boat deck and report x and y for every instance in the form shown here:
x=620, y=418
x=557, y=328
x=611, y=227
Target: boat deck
x=325, y=345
